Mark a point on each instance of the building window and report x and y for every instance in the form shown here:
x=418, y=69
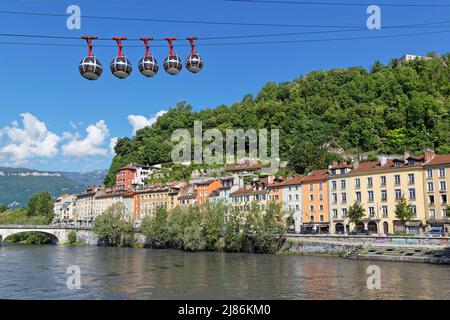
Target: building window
x=430, y=186
x=334, y=197
x=321, y=197
x=296, y=197
x=432, y=214
x=443, y=199
x=311, y=208
x=321, y=207
x=333, y=185
x=371, y=212
x=444, y=213
x=290, y=197
x=357, y=183
x=320, y=186
x=431, y=200
x=344, y=212
x=441, y=172
x=383, y=195
x=429, y=173
x=369, y=182
x=383, y=181
x=398, y=194
x=414, y=210
x=411, y=178
x=370, y=196
x=335, y=213
x=344, y=197
x=412, y=194
x=343, y=184
x=311, y=197
x=358, y=196
x=385, y=211
x=397, y=179
x=321, y=218
x=311, y=187
x=443, y=186
x=311, y=217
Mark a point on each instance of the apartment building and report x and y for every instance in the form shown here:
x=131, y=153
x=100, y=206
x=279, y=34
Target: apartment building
x=377, y=186
x=105, y=198
x=85, y=207
x=244, y=198
x=315, y=202
x=147, y=201
x=436, y=176
x=64, y=209
x=133, y=175
x=205, y=188
x=291, y=199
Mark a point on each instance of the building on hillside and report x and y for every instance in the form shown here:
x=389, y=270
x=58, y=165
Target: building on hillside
x=437, y=181
x=133, y=175
x=291, y=198
x=205, y=188
x=85, y=207
x=147, y=201
x=105, y=198
x=315, y=202
x=229, y=185
x=377, y=186
x=412, y=57
x=64, y=209
x=243, y=168
x=244, y=198
x=187, y=196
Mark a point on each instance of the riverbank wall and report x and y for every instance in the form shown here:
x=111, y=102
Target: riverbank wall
x=380, y=248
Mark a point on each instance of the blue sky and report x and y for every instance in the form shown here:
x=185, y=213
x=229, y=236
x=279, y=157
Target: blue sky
x=52, y=119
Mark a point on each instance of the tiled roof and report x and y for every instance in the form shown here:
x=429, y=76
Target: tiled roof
x=439, y=160
x=315, y=175
x=291, y=181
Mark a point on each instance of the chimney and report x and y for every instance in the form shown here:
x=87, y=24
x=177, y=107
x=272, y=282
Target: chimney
x=383, y=160
x=406, y=155
x=429, y=155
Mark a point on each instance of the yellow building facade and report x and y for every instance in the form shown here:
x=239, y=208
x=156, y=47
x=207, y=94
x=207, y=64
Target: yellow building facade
x=377, y=186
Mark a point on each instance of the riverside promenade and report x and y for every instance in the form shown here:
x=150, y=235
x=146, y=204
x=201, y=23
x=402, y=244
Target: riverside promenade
x=385, y=248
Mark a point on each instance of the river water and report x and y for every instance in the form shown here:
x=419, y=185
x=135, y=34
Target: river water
x=39, y=272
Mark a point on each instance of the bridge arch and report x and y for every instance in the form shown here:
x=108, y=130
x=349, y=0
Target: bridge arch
x=53, y=237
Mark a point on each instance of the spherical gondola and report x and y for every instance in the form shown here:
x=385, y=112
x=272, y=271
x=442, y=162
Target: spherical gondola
x=90, y=67
x=148, y=65
x=194, y=63
x=120, y=66
x=172, y=64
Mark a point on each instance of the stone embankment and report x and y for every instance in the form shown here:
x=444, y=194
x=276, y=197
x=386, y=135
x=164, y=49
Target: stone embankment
x=384, y=248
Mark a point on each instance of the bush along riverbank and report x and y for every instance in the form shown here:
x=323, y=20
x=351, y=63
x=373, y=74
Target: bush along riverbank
x=209, y=227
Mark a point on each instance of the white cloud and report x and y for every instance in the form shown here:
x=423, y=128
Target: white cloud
x=92, y=145
x=33, y=140
x=112, y=144
x=138, y=122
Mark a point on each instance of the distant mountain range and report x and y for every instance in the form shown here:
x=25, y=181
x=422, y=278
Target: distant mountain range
x=18, y=184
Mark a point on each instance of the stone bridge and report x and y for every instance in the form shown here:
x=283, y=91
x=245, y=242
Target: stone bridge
x=60, y=233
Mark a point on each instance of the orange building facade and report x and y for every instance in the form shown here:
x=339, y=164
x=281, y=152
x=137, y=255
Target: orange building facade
x=205, y=188
x=315, y=207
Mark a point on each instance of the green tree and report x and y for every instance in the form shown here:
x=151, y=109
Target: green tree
x=193, y=237
x=403, y=210
x=41, y=204
x=113, y=228
x=72, y=237
x=3, y=208
x=356, y=212
x=155, y=228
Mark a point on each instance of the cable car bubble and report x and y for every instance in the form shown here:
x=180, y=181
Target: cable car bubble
x=120, y=66
x=148, y=65
x=90, y=67
x=172, y=64
x=194, y=63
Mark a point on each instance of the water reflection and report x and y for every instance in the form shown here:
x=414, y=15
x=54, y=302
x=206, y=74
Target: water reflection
x=29, y=272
